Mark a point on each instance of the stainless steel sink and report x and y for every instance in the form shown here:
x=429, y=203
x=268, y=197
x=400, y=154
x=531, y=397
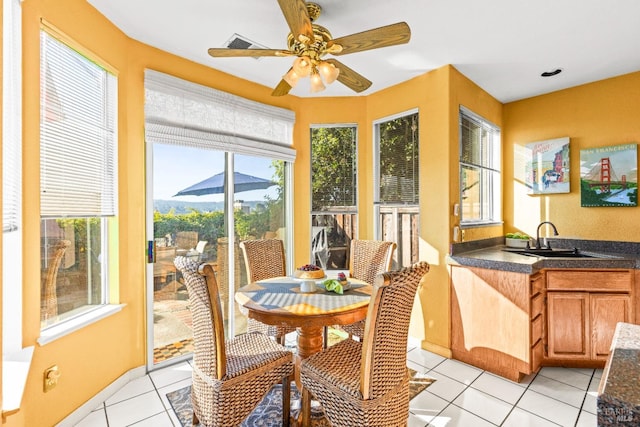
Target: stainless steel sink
x=551, y=253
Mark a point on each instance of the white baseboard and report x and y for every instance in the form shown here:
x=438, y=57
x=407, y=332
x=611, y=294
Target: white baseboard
x=83, y=411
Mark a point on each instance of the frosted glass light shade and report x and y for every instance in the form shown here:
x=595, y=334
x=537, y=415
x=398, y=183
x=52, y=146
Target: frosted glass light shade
x=291, y=77
x=316, y=83
x=302, y=66
x=329, y=72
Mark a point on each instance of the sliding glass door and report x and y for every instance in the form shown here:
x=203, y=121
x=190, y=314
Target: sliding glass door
x=193, y=208
x=217, y=168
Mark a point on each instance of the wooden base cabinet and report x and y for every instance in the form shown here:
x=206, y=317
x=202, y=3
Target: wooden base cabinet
x=583, y=308
x=568, y=317
x=497, y=320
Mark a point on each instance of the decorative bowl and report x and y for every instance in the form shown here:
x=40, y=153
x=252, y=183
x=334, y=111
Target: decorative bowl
x=516, y=243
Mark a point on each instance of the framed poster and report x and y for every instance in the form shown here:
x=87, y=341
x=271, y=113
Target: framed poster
x=547, y=167
x=609, y=176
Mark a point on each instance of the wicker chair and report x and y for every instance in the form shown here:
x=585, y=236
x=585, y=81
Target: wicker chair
x=49, y=285
x=229, y=378
x=368, y=258
x=264, y=259
x=366, y=383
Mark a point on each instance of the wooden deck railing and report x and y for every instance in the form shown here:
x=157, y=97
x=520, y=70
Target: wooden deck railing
x=398, y=224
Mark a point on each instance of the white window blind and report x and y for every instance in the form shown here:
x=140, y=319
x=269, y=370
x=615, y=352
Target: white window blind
x=78, y=123
x=181, y=112
x=480, y=195
x=11, y=118
x=399, y=160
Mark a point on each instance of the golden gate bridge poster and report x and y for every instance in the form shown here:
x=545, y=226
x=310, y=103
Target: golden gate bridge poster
x=547, y=168
x=609, y=176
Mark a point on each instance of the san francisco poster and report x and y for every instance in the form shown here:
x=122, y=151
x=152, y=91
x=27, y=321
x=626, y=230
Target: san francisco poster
x=548, y=166
x=609, y=176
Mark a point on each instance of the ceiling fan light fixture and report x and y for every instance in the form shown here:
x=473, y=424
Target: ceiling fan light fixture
x=316, y=82
x=328, y=71
x=291, y=78
x=302, y=66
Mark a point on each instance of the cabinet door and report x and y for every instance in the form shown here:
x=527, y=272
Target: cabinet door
x=606, y=311
x=568, y=319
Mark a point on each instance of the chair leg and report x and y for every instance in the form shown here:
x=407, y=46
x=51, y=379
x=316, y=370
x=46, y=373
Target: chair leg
x=281, y=339
x=286, y=401
x=194, y=420
x=306, y=407
x=325, y=337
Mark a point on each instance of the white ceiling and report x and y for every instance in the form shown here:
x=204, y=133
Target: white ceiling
x=501, y=45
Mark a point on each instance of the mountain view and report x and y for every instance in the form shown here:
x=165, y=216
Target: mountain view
x=181, y=207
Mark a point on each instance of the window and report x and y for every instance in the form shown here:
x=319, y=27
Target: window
x=480, y=195
x=11, y=178
x=398, y=153
x=397, y=163
x=78, y=180
x=333, y=195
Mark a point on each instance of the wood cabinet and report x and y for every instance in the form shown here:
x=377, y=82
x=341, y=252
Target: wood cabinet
x=583, y=308
x=497, y=320
x=568, y=317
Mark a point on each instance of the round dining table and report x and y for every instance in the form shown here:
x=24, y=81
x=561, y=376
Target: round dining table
x=281, y=301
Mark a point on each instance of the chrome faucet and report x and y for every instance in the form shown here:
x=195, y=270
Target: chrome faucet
x=555, y=233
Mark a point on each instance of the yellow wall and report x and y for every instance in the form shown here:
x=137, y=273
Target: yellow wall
x=593, y=115
x=598, y=114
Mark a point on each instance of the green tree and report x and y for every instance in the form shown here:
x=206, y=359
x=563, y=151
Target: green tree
x=399, y=159
x=333, y=167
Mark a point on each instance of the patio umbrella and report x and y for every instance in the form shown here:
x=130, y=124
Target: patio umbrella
x=215, y=185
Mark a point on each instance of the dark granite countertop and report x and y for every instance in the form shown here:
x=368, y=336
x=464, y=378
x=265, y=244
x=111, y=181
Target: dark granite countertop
x=491, y=254
x=619, y=390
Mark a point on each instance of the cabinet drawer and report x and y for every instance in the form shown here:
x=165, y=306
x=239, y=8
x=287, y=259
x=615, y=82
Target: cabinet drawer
x=536, y=330
x=537, y=284
x=589, y=280
x=537, y=303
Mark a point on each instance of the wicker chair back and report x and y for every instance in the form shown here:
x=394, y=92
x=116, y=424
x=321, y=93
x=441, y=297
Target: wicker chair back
x=384, y=345
x=263, y=258
x=368, y=258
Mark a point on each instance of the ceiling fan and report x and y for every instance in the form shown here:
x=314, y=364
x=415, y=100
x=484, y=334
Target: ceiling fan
x=310, y=43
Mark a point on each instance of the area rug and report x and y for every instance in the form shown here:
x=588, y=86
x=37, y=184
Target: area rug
x=268, y=412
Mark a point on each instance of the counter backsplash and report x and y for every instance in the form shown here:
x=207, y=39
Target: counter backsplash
x=556, y=242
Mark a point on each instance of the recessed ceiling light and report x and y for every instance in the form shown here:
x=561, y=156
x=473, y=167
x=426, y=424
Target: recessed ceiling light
x=552, y=73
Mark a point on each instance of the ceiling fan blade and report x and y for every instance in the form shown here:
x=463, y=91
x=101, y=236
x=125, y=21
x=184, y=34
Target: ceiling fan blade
x=283, y=88
x=350, y=78
x=224, y=52
x=297, y=17
x=389, y=35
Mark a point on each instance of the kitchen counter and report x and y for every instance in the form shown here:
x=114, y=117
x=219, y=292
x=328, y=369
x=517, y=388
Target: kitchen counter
x=490, y=254
x=619, y=390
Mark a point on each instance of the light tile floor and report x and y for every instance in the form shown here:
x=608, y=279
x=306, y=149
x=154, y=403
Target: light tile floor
x=461, y=396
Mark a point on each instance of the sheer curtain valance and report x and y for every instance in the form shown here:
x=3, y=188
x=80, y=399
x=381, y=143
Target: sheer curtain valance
x=181, y=112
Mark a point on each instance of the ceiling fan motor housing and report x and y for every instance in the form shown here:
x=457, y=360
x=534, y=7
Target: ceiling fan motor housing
x=314, y=49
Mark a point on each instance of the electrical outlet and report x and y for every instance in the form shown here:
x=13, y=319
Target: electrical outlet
x=50, y=377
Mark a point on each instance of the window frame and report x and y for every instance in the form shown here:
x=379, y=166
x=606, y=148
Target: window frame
x=389, y=216
x=79, y=318
x=331, y=210
x=490, y=171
